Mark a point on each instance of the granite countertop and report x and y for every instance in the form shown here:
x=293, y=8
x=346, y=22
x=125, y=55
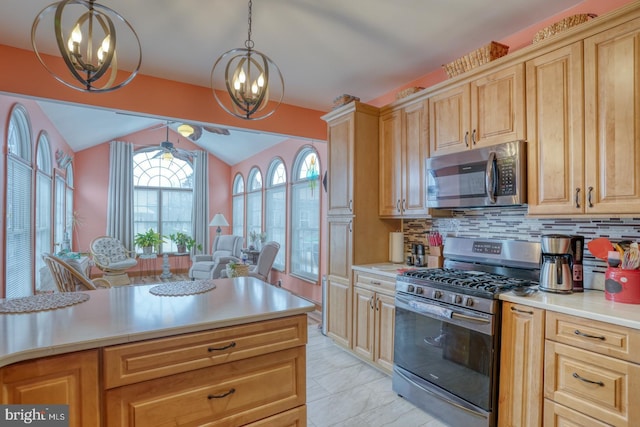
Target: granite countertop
x=130, y=313
x=383, y=268
x=590, y=304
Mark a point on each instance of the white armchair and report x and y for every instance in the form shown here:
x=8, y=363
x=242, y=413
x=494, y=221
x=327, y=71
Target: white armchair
x=110, y=256
x=224, y=250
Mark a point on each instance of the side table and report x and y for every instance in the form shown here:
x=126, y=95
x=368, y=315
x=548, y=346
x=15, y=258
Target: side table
x=252, y=255
x=147, y=264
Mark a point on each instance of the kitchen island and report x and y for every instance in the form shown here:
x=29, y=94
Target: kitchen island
x=234, y=354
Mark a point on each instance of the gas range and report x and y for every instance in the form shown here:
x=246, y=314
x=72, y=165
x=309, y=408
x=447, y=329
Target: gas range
x=475, y=272
x=473, y=289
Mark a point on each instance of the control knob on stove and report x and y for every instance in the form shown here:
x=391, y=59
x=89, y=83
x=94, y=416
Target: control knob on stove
x=469, y=302
x=410, y=288
x=457, y=299
x=419, y=290
x=437, y=294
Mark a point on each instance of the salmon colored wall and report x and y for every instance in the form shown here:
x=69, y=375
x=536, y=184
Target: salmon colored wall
x=21, y=73
x=287, y=151
x=515, y=42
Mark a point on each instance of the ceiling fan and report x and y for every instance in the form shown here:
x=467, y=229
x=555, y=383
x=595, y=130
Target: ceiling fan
x=194, y=132
x=169, y=151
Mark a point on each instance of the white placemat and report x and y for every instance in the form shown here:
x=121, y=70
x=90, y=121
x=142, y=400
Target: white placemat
x=187, y=287
x=42, y=302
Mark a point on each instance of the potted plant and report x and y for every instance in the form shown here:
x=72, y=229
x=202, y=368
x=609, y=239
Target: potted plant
x=257, y=239
x=148, y=241
x=184, y=242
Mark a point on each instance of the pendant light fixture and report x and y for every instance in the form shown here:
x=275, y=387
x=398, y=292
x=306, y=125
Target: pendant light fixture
x=253, y=82
x=87, y=35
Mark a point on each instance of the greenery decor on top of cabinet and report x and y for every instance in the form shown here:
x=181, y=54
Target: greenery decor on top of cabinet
x=403, y=151
x=487, y=111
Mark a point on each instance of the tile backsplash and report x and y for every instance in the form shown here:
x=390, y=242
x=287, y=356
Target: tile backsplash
x=513, y=223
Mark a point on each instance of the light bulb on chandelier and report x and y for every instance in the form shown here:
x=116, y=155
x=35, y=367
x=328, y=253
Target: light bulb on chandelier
x=94, y=26
x=253, y=82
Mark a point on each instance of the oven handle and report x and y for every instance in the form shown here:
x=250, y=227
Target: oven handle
x=490, y=178
x=442, y=313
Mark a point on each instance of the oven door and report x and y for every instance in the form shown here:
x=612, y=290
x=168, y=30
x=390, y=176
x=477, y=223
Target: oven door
x=448, y=346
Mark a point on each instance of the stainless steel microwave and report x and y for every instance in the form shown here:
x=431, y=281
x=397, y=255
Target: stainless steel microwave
x=481, y=177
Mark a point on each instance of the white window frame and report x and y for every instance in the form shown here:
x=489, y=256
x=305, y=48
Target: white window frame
x=275, y=209
x=238, y=205
x=304, y=258
x=44, y=195
x=254, y=202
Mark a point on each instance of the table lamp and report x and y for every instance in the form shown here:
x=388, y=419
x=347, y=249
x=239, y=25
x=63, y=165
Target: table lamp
x=218, y=221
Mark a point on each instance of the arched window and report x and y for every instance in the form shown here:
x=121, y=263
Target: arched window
x=238, y=205
x=275, y=208
x=44, y=174
x=254, y=202
x=305, y=215
x=162, y=195
x=19, y=250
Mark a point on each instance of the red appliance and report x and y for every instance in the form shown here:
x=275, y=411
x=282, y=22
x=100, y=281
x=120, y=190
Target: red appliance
x=622, y=285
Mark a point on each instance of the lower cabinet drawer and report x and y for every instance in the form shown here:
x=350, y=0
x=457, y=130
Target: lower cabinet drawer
x=599, y=386
x=236, y=393
x=296, y=417
x=560, y=416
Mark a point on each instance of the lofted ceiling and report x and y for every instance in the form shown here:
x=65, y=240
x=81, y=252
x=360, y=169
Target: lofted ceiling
x=365, y=48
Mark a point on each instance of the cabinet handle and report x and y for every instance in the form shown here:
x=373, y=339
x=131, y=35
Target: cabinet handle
x=595, y=337
x=212, y=349
x=578, y=197
x=398, y=205
x=517, y=310
x=404, y=205
x=350, y=229
x=578, y=377
x=466, y=138
x=351, y=205
x=371, y=303
x=473, y=137
x=377, y=304
x=589, y=197
x=220, y=396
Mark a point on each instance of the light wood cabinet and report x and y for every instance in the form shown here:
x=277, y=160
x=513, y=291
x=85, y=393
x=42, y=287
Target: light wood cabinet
x=403, y=152
x=374, y=319
x=612, y=128
x=592, y=368
x=555, y=131
x=237, y=375
x=354, y=226
x=521, y=366
x=69, y=379
x=487, y=111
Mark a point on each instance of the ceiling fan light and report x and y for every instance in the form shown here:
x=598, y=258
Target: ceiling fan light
x=88, y=45
x=167, y=156
x=186, y=130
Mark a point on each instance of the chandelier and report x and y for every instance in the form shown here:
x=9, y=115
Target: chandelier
x=254, y=84
x=87, y=36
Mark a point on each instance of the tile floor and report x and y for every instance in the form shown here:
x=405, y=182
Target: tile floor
x=344, y=391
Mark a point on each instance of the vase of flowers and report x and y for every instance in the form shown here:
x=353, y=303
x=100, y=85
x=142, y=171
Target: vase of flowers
x=257, y=239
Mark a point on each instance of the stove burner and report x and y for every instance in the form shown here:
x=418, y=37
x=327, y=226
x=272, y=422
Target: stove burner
x=462, y=280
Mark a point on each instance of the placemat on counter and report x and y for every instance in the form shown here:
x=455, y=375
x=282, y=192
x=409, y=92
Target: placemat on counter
x=187, y=287
x=42, y=302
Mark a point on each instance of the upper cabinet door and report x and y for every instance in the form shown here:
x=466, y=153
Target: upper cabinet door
x=612, y=120
x=555, y=138
x=449, y=130
x=414, y=153
x=390, y=197
x=340, y=165
x=498, y=107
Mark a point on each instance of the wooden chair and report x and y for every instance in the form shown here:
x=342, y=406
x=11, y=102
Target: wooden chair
x=110, y=256
x=68, y=279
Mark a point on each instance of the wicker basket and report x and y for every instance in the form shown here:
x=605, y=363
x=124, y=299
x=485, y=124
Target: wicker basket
x=240, y=270
x=344, y=100
x=408, y=91
x=562, y=25
x=493, y=50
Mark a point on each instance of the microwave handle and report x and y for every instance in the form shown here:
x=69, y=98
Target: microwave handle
x=490, y=177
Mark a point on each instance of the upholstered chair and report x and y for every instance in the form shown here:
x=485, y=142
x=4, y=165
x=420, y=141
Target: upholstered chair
x=69, y=278
x=226, y=248
x=110, y=256
x=262, y=269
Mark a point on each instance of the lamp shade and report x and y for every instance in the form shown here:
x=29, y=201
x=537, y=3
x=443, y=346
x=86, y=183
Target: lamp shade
x=219, y=221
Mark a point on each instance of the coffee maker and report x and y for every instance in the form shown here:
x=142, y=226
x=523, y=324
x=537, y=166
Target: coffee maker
x=556, y=269
x=418, y=254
